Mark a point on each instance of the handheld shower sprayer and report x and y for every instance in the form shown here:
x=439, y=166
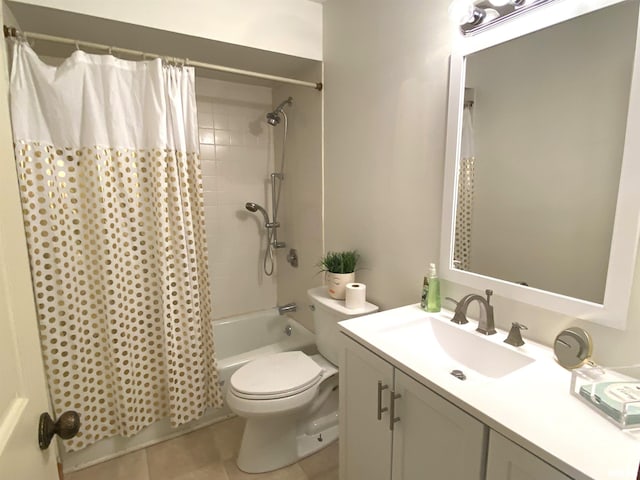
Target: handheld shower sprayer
x=272, y=239
x=254, y=207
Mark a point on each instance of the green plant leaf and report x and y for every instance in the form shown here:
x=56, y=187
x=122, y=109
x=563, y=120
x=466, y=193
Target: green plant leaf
x=339, y=262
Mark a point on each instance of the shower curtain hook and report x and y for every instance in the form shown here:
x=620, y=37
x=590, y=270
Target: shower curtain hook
x=77, y=45
x=111, y=51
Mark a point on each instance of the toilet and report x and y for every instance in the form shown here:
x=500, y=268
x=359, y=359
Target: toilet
x=290, y=399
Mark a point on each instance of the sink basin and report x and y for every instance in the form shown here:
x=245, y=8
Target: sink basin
x=446, y=346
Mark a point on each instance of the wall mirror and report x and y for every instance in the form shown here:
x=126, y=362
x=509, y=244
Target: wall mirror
x=541, y=195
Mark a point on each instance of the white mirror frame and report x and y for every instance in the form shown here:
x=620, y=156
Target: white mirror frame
x=626, y=229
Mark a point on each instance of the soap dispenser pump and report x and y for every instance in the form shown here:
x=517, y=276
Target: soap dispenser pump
x=433, y=295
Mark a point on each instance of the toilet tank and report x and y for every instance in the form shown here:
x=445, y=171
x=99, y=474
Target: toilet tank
x=327, y=312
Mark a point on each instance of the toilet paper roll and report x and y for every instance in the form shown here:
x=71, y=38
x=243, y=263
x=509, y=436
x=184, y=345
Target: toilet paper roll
x=356, y=294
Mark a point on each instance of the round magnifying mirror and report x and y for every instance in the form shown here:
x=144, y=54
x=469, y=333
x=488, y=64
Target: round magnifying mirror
x=573, y=347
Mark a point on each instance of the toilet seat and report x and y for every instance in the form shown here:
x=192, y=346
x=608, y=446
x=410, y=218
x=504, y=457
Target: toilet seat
x=275, y=376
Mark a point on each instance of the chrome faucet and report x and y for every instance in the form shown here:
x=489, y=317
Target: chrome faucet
x=289, y=307
x=486, y=324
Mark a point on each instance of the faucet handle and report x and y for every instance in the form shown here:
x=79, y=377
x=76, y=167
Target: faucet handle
x=458, y=317
x=452, y=300
x=515, y=337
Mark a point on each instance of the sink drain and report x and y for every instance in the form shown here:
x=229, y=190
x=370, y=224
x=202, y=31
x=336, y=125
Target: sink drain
x=459, y=374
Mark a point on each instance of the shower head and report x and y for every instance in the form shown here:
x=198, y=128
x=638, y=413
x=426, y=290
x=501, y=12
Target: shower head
x=254, y=207
x=273, y=118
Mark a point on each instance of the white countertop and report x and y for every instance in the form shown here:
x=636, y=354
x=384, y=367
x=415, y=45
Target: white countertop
x=532, y=406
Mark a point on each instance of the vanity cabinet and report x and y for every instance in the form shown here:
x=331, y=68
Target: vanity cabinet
x=430, y=439
x=508, y=461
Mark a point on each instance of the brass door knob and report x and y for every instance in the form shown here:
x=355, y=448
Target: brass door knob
x=66, y=426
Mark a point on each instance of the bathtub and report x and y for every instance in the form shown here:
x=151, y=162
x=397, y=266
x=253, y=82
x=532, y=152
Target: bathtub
x=238, y=340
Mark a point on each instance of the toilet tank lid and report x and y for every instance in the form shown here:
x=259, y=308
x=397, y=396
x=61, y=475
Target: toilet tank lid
x=320, y=295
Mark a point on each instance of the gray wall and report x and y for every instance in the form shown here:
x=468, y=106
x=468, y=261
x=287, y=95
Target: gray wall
x=386, y=88
x=386, y=71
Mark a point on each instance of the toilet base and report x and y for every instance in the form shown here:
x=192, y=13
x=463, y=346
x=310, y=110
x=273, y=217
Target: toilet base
x=267, y=444
x=310, y=444
x=272, y=443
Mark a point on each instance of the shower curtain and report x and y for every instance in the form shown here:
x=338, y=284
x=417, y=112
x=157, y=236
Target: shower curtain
x=466, y=180
x=111, y=188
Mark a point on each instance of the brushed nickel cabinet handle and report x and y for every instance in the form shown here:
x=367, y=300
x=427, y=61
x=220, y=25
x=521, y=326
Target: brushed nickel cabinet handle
x=380, y=409
x=392, y=413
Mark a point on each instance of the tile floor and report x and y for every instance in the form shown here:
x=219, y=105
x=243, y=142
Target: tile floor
x=206, y=454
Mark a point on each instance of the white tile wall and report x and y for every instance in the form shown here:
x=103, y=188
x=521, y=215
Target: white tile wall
x=236, y=150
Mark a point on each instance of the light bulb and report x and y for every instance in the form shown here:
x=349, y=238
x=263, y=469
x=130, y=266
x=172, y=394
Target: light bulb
x=464, y=12
x=460, y=11
x=499, y=3
x=491, y=14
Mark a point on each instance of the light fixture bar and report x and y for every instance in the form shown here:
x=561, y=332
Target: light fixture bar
x=500, y=10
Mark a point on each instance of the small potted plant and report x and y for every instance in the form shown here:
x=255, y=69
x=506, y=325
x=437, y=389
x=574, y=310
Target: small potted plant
x=339, y=268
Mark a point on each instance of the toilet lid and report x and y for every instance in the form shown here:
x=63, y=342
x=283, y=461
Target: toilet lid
x=276, y=375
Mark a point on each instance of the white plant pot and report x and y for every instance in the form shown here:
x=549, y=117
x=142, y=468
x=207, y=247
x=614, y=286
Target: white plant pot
x=337, y=283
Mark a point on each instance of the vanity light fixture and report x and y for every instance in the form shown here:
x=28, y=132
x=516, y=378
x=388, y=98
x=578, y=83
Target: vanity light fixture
x=476, y=15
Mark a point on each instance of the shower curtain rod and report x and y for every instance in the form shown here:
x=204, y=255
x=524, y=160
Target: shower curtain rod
x=13, y=32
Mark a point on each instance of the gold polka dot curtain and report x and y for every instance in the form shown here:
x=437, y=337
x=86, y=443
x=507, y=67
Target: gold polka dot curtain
x=111, y=191
x=466, y=188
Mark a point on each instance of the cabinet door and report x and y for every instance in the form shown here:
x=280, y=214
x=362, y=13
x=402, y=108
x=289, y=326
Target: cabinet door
x=365, y=441
x=434, y=439
x=509, y=461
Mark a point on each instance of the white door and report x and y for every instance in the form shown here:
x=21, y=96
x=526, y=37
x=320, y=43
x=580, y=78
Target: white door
x=433, y=439
x=22, y=384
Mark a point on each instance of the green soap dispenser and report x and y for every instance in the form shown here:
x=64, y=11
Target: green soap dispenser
x=433, y=295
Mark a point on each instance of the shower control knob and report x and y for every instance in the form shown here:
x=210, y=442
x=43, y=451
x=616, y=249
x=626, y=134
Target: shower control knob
x=66, y=426
x=292, y=258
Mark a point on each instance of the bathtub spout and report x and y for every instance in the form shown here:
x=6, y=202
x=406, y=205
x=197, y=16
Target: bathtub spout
x=289, y=307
